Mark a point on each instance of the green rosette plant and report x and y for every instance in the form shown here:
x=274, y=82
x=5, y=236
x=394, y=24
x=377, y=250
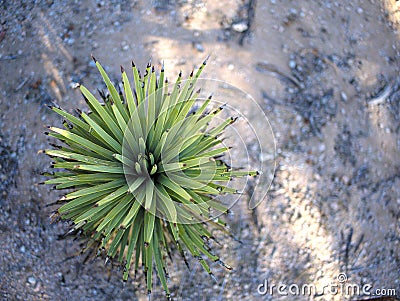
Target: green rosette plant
x=144, y=171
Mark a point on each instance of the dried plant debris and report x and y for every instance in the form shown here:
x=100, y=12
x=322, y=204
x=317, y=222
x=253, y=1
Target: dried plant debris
x=306, y=91
x=8, y=166
x=38, y=93
x=344, y=146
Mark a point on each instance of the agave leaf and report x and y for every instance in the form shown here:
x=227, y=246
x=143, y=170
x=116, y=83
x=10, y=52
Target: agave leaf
x=128, y=94
x=112, y=196
x=149, y=218
x=104, y=115
x=167, y=203
x=81, y=179
x=199, y=243
x=131, y=216
x=103, y=134
x=151, y=107
x=74, y=120
x=110, y=221
x=116, y=242
x=120, y=119
x=93, y=210
x=134, y=235
x=125, y=160
x=113, y=92
x=149, y=265
x=159, y=263
x=77, y=157
x=98, y=168
x=82, y=141
x=101, y=187
x=83, y=201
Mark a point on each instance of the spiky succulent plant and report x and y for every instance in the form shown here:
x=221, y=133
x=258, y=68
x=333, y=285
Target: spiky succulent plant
x=144, y=170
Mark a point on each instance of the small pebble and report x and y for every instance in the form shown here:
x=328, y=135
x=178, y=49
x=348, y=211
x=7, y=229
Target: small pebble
x=70, y=41
x=199, y=47
x=292, y=64
x=343, y=96
x=240, y=27
x=31, y=280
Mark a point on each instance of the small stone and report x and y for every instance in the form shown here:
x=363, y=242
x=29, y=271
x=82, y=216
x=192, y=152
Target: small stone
x=32, y=280
x=231, y=67
x=22, y=249
x=240, y=27
x=74, y=85
x=359, y=10
x=199, y=47
x=345, y=179
x=292, y=64
x=343, y=96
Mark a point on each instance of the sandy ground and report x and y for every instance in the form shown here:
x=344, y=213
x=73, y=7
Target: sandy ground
x=325, y=73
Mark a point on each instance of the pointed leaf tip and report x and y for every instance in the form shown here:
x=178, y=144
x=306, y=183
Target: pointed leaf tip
x=122, y=69
x=206, y=60
x=133, y=64
x=93, y=58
